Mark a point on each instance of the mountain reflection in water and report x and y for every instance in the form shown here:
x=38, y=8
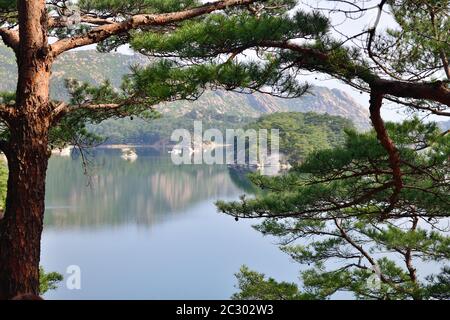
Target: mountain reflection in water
x=150, y=230
x=120, y=192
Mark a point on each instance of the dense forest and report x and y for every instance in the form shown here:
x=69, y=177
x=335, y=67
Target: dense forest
x=324, y=130
x=304, y=133
x=154, y=131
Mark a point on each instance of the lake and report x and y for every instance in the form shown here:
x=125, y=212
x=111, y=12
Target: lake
x=150, y=230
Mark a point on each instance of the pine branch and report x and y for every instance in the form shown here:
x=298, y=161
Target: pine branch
x=437, y=111
x=63, y=109
x=7, y=112
x=10, y=38
x=383, y=278
x=58, y=22
x=437, y=91
x=141, y=20
x=376, y=101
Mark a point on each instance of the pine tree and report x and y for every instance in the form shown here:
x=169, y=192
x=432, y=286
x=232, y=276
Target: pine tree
x=408, y=65
x=31, y=123
x=328, y=213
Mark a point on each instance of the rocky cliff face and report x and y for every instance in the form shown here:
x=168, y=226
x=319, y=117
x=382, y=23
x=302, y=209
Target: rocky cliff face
x=332, y=101
x=320, y=100
x=95, y=67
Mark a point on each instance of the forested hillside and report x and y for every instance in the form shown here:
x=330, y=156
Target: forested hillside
x=304, y=133
x=216, y=109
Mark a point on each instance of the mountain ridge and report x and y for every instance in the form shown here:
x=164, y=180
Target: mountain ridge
x=94, y=67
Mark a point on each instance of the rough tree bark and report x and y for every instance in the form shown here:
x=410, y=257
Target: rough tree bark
x=376, y=102
x=27, y=153
x=21, y=226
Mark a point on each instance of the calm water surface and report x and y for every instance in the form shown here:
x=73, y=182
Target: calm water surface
x=150, y=230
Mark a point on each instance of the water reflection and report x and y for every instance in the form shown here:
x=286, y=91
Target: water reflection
x=149, y=230
x=117, y=192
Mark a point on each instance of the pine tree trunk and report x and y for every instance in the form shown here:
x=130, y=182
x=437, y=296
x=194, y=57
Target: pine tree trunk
x=27, y=152
x=21, y=226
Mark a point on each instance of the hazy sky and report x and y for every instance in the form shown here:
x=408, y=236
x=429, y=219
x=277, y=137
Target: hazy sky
x=352, y=25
